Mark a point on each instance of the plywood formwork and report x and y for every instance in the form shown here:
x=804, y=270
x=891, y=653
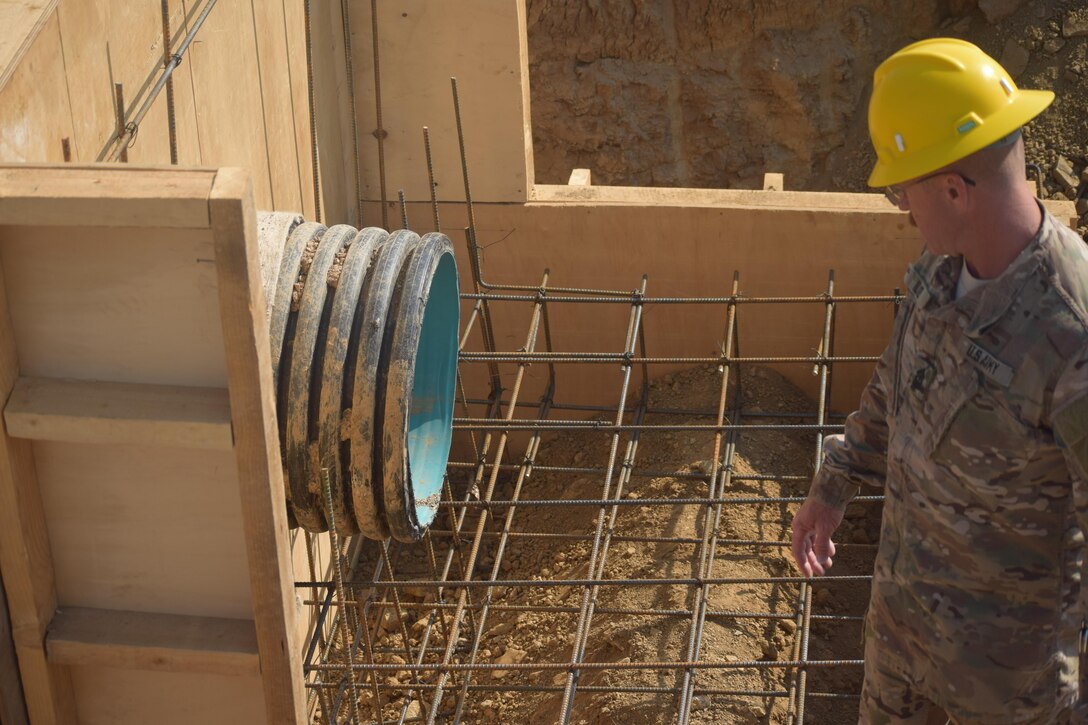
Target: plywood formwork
x=145, y=553
x=59, y=62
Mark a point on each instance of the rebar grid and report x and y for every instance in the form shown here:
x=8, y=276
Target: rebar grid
x=416, y=631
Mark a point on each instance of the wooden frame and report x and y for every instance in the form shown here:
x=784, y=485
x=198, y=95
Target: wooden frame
x=240, y=418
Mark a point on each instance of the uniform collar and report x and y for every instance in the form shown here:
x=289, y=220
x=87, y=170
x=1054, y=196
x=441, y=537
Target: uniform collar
x=932, y=281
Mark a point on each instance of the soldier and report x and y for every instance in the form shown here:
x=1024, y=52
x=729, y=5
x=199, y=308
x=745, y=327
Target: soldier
x=975, y=421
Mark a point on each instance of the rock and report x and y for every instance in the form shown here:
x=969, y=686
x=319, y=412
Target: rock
x=1014, y=58
x=997, y=10
x=1082, y=206
x=770, y=652
x=962, y=25
x=1053, y=45
x=1075, y=24
x=512, y=656
x=859, y=536
x=787, y=625
x=389, y=619
x=700, y=702
x=1062, y=172
x=501, y=630
x=731, y=658
x=821, y=596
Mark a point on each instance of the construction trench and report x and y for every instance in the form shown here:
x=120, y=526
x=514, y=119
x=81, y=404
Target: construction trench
x=224, y=486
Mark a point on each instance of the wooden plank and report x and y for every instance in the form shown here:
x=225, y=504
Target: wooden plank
x=104, y=196
x=25, y=557
x=96, y=412
x=147, y=641
x=21, y=20
x=773, y=182
x=12, y=704
x=260, y=482
x=580, y=177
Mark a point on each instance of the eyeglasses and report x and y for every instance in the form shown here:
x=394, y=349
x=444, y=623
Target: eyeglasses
x=894, y=194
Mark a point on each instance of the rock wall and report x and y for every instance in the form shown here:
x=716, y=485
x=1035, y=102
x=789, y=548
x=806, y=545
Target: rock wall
x=705, y=93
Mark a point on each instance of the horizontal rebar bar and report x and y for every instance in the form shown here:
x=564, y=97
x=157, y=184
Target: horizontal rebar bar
x=614, y=357
x=639, y=299
x=564, y=666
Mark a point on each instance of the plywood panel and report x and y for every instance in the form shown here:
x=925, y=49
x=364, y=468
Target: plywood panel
x=25, y=556
x=421, y=44
x=271, y=54
x=21, y=20
x=120, y=305
x=294, y=21
x=228, y=95
x=145, y=528
x=333, y=116
x=34, y=108
x=126, y=697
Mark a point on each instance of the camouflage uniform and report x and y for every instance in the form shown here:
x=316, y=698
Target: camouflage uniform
x=975, y=422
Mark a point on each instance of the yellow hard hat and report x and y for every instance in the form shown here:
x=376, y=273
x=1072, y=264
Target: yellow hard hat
x=937, y=101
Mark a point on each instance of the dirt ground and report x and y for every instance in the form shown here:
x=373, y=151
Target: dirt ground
x=543, y=636
x=714, y=94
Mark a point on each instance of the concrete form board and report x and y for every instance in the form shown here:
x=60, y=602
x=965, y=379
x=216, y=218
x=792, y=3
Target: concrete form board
x=144, y=527
x=421, y=45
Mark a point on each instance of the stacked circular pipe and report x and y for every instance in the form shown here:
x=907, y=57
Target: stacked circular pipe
x=363, y=327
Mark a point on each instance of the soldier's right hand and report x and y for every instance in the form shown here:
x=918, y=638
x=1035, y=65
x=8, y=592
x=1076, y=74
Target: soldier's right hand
x=813, y=549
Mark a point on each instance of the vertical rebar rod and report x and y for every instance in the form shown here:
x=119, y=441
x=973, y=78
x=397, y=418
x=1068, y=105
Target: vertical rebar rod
x=171, y=120
x=379, y=133
x=430, y=178
x=345, y=632
x=119, y=107
x=313, y=110
x=589, y=593
x=403, y=209
x=712, y=514
x=481, y=522
x=126, y=132
x=821, y=413
x=525, y=469
x=473, y=248
x=66, y=148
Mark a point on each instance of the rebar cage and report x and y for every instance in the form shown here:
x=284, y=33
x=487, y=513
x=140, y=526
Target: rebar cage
x=601, y=586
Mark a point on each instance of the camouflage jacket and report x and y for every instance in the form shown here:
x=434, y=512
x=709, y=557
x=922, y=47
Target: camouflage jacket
x=975, y=422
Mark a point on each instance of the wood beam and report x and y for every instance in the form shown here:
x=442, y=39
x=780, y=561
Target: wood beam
x=83, y=411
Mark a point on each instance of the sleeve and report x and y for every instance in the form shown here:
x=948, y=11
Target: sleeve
x=1069, y=420
x=859, y=455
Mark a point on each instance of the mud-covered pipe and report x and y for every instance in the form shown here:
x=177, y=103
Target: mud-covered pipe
x=363, y=327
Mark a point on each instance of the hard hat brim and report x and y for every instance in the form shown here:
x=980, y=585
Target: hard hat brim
x=1028, y=105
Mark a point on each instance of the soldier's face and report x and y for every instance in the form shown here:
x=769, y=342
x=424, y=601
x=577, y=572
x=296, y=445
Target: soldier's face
x=928, y=211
